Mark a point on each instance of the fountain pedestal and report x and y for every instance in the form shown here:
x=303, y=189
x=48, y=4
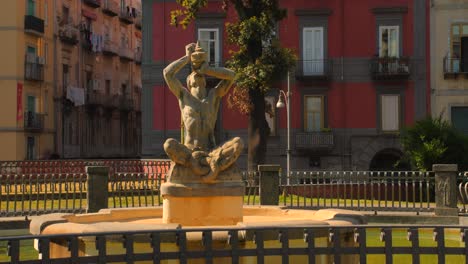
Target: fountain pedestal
x=190, y=202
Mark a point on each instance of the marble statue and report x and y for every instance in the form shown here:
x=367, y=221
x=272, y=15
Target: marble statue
x=199, y=108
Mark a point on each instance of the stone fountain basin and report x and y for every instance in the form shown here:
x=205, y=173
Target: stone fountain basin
x=150, y=218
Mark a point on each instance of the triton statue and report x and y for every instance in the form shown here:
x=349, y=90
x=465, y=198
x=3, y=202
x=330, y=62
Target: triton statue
x=199, y=109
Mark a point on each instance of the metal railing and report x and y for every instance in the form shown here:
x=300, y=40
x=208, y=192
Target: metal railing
x=110, y=48
x=110, y=7
x=68, y=32
x=33, y=24
x=93, y=3
x=355, y=190
x=463, y=192
x=33, y=71
x=126, y=53
x=298, y=244
x=34, y=188
x=319, y=69
x=315, y=140
x=390, y=68
x=454, y=66
x=33, y=121
x=126, y=15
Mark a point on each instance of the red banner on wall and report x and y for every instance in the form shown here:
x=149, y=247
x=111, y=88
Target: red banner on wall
x=19, y=101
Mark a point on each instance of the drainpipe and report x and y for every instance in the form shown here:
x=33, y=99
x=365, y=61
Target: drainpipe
x=57, y=108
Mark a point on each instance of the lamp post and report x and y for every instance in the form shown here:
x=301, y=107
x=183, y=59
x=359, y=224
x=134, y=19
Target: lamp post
x=280, y=104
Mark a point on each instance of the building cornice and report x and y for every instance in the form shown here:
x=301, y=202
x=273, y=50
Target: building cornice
x=313, y=12
x=390, y=10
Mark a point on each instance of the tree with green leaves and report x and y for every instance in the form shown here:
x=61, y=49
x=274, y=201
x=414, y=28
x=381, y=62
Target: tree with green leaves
x=259, y=61
x=432, y=141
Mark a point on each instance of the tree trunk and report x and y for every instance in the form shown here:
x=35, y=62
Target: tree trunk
x=258, y=130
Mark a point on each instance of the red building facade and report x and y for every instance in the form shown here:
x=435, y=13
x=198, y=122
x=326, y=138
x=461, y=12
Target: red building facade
x=361, y=76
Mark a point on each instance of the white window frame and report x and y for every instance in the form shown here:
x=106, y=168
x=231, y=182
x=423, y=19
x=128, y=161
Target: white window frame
x=309, y=127
x=316, y=66
x=381, y=29
x=382, y=114
x=217, y=58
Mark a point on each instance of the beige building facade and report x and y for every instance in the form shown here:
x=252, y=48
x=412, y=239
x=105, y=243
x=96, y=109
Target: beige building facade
x=449, y=61
x=70, y=78
x=27, y=126
x=99, y=78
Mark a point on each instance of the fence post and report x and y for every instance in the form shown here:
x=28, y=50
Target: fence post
x=446, y=189
x=269, y=184
x=98, y=193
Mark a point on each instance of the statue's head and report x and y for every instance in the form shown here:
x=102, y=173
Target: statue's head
x=196, y=83
x=198, y=57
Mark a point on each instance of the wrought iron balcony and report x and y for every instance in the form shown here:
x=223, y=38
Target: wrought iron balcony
x=314, y=69
x=454, y=67
x=315, y=141
x=112, y=102
x=126, y=104
x=110, y=48
x=138, y=21
x=387, y=68
x=126, y=15
x=33, y=121
x=93, y=3
x=33, y=25
x=95, y=99
x=126, y=54
x=138, y=55
x=68, y=32
x=33, y=69
x=110, y=7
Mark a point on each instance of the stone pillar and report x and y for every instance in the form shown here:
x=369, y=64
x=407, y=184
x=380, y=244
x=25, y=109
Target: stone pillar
x=97, y=184
x=269, y=184
x=446, y=189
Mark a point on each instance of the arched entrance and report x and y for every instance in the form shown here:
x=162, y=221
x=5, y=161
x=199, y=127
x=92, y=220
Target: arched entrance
x=388, y=160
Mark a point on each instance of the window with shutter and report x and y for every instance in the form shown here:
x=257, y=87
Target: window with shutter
x=390, y=112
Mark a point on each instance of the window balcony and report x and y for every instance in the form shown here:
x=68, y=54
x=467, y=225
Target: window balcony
x=126, y=104
x=33, y=121
x=110, y=48
x=315, y=141
x=126, y=54
x=110, y=7
x=126, y=15
x=34, y=68
x=138, y=22
x=94, y=99
x=138, y=55
x=319, y=70
x=390, y=68
x=68, y=33
x=33, y=25
x=453, y=67
x=111, y=102
x=93, y=3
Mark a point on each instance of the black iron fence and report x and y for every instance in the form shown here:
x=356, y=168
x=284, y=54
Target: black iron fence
x=298, y=244
x=390, y=68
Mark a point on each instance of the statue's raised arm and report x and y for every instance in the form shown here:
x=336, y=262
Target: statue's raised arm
x=226, y=75
x=172, y=69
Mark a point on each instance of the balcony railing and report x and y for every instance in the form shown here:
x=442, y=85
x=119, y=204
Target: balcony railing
x=112, y=102
x=110, y=48
x=126, y=54
x=390, y=68
x=126, y=15
x=94, y=99
x=33, y=121
x=138, y=21
x=314, y=69
x=453, y=67
x=33, y=70
x=93, y=3
x=68, y=33
x=315, y=140
x=33, y=25
x=138, y=55
x=126, y=104
x=110, y=7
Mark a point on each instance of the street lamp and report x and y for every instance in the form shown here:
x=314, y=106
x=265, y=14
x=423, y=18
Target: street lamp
x=280, y=104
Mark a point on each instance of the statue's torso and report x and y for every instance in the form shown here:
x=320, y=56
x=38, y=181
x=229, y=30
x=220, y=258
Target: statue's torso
x=199, y=117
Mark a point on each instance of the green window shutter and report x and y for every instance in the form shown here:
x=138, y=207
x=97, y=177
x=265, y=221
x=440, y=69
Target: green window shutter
x=460, y=118
x=31, y=7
